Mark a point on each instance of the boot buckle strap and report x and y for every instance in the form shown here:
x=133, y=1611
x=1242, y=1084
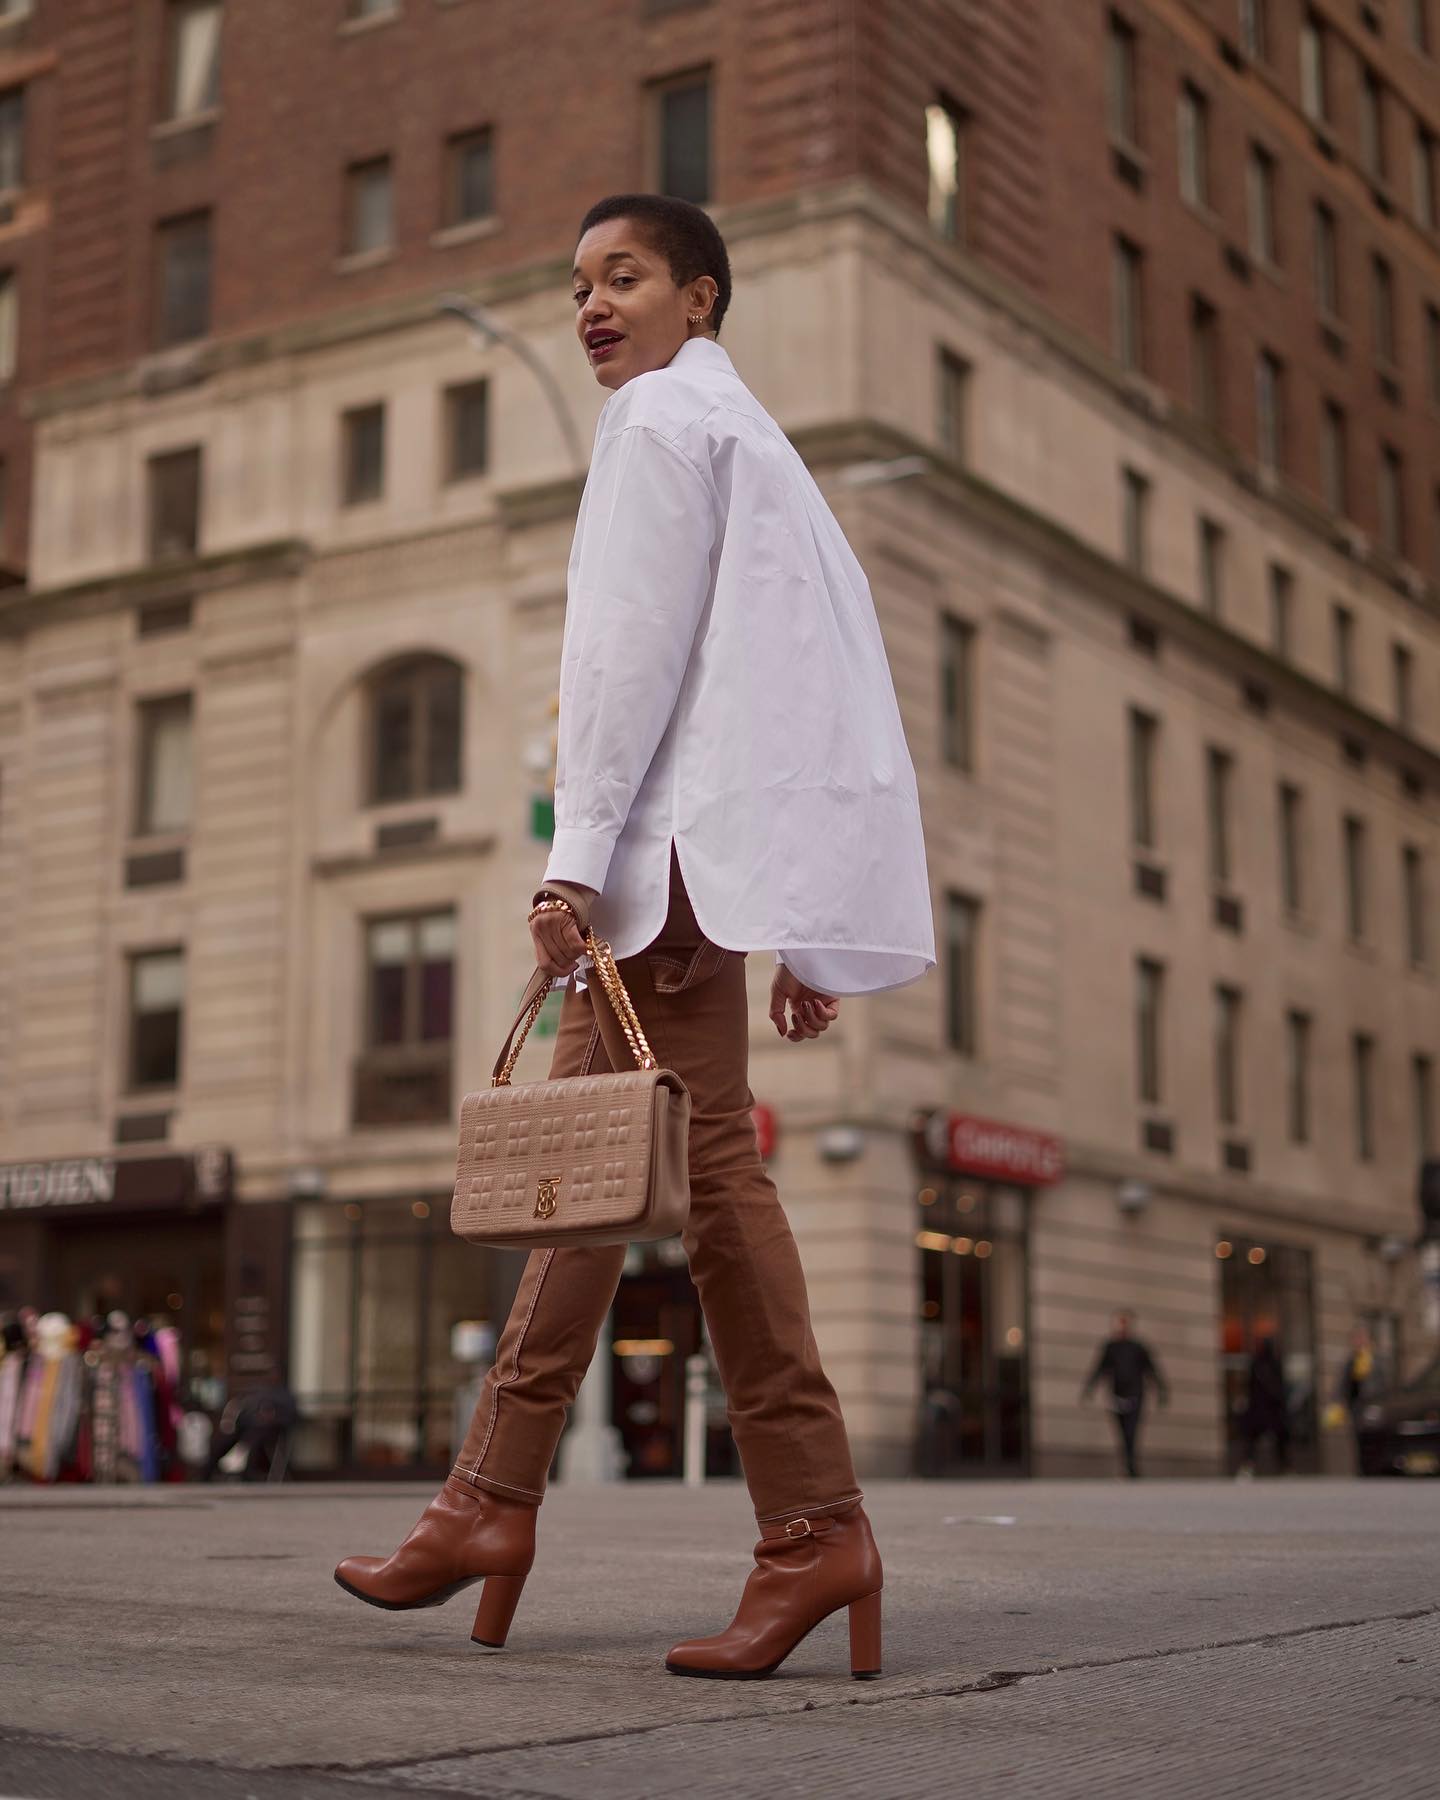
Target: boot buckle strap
x=798, y=1528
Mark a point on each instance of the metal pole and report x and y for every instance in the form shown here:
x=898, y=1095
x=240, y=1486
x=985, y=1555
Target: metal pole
x=488, y=330
x=697, y=1383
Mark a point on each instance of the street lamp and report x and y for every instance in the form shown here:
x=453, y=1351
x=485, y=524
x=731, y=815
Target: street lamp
x=488, y=330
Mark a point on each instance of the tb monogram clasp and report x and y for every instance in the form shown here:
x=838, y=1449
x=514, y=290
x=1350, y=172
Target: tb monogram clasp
x=545, y=1197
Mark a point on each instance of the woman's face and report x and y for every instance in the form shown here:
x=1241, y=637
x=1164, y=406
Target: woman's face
x=626, y=297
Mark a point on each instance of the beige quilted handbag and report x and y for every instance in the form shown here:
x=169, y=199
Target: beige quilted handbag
x=586, y=1159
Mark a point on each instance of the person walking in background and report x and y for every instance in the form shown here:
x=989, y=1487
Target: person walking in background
x=732, y=775
x=1360, y=1380
x=1126, y=1364
x=1267, y=1409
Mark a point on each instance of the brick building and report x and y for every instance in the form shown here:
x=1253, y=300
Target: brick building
x=1112, y=332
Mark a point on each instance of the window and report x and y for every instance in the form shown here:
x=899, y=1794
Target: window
x=1425, y=181
x=1144, y=743
x=1149, y=1029
x=1391, y=479
x=957, y=691
x=1355, y=895
x=952, y=403
x=1219, y=768
x=1269, y=410
x=469, y=178
x=362, y=437
x=1432, y=351
x=1282, y=609
x=9, y=323
x=1194, y=141
x=1129, y=339
x=1123, y=83
x=163, y=789
x=368, y=209
x=683, y=109
x=1260, y=204
x=1297, y=1076
x=467, y=430
x=1255, y=29
x=1382, y=290
x=411, y=978
x=1327, y=262
x=1314, y=87
x=403, y=1075
x=12, y=139
x=1212, y=567
x=182, y=279
x=1135, y=505
x=174, y=488
x=192, y=58
x=1412, y=882
x=1422, y=1105
x=1292, y=849
x=945, y=137
x=1372, y=124
x=1362, y=1064
x=1205, y=359
x=157, y=1002
x=1334, y=459
x=1402, y=682
x=1227, y=1054
x=963, y=925
x=1342, y=631
x=416, y=729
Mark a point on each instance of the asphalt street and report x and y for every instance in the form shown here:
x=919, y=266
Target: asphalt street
x=1212, y=1639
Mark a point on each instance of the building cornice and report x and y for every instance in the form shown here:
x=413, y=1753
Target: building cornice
x=1092, y=572
x=29, y=609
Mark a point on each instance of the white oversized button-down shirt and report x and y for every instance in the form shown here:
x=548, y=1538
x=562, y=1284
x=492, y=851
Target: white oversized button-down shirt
x=724, y=684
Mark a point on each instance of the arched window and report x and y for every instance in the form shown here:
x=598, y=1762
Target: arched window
x=415, y=730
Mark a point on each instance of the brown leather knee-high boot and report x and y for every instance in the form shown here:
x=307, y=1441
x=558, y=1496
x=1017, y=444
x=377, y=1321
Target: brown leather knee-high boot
x=805, y=1569
x=462, y=1537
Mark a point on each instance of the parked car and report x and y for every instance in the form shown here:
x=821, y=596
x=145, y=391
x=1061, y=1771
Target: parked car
x=1399, y=1431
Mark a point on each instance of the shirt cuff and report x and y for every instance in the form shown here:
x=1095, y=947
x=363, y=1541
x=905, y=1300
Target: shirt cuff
x=582, y=857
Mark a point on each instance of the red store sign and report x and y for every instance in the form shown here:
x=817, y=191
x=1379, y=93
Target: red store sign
x=971, y=1146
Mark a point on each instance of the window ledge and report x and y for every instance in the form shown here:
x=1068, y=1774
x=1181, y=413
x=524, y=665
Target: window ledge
x=466, y=232
x=1363, y=951
x=356, y=260
x=371, y=22
x=354, y=862
x=1204, y=213
x=1299, y=922
x=177, y=127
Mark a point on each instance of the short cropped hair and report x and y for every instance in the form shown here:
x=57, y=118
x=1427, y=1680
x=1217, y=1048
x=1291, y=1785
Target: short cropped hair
x=683, y=233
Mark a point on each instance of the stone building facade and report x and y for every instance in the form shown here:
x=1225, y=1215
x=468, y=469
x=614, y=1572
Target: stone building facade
x=276, y=688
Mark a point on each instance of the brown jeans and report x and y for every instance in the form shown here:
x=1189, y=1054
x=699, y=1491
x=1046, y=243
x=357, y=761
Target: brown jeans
x=691, y=998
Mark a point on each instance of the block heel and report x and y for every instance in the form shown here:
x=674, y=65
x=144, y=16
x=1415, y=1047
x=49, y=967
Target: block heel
x=498, y=1600
x=865, y=1637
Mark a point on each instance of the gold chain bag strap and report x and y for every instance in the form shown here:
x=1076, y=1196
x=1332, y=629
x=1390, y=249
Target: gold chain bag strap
x=585, y=1159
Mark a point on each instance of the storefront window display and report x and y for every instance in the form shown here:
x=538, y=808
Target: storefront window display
x=378, y=1287
x=1267, y=1292
x=974, y=1332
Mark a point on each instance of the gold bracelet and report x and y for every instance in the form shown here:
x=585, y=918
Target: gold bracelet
x=553, y=905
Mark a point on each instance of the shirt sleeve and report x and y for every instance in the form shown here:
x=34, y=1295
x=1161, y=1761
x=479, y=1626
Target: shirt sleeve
x=639, y=582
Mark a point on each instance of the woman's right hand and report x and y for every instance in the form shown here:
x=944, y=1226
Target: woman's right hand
x=811, y=1012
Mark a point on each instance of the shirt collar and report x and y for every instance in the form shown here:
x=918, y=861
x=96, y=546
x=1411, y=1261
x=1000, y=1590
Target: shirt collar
x=702, y=352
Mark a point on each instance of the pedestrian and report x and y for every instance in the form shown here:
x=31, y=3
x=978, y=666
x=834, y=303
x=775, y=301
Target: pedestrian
x=1267, y=1408
x=1360, y=1381
x=732, y=776
x=1126, y=1364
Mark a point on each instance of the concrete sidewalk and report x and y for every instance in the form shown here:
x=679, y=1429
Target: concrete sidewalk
x=1197, y=1638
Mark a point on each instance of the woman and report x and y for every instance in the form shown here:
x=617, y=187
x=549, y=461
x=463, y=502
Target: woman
x=732, y=775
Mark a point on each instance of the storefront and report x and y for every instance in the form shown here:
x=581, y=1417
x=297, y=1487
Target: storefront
x=1267, y=1292
x=978, y=1180
x=378, y=1288
x=146, y=1236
